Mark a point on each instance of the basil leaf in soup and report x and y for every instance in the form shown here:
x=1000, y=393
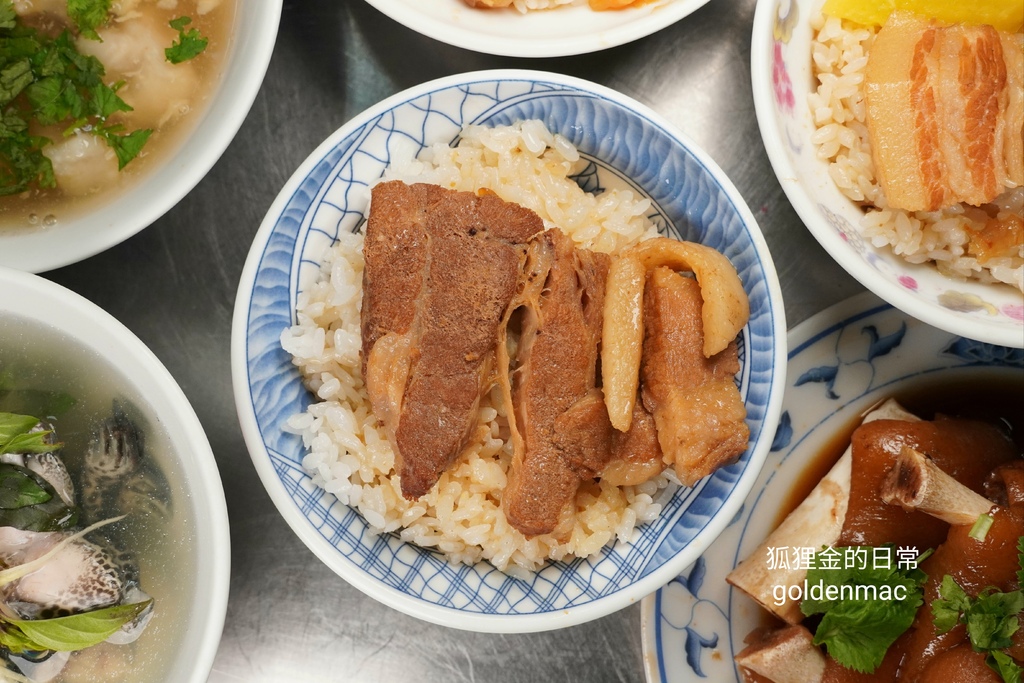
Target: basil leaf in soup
x=29, y=503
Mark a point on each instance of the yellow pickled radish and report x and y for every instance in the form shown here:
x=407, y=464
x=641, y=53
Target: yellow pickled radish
x=1005, y=15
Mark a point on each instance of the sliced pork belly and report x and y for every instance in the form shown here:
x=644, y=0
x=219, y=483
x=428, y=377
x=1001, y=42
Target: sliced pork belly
x=636, y=454
x=945, y=112
x=696, y=406
x=561, y=431
x=441, y=269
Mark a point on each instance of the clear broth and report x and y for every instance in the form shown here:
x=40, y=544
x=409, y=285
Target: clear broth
x=42, y=364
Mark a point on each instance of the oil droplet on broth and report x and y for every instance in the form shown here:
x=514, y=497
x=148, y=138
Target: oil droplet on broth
x=50, y=220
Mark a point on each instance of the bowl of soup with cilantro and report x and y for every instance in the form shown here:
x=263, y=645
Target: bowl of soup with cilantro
x=111, y=111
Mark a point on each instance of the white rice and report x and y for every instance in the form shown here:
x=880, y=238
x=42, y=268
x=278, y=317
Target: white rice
x=839, y=55
x=348, y=454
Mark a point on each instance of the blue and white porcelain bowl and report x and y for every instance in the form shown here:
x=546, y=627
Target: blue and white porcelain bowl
x=842, y=362
x=692, y=199
x=782, y=80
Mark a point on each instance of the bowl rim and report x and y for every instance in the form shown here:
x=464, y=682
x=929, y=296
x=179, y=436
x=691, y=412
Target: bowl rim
x=449, y=616
x=165, y=185
x=660, y=16
x=937, y=358
x=38, y=299
x=787, y=175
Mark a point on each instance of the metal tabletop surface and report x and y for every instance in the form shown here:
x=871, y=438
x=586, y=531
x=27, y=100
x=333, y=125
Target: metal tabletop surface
x=289, y=617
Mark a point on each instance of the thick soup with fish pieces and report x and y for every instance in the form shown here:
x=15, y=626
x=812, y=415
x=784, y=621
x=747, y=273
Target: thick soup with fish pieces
x=102, y=97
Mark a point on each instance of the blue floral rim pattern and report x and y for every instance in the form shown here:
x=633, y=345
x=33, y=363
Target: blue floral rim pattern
x=840, y=363
x=328, y=197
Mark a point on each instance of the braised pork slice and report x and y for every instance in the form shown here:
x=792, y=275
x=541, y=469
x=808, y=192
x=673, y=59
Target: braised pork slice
x=441, y=269
x=696, y=405
x=944, y=112
x=636, y=453
x=561, y=431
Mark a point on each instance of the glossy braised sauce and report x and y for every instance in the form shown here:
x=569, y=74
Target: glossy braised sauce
x=920, y=655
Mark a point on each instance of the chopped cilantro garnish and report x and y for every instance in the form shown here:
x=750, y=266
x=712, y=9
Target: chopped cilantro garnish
x=991, y=619
x=189, y=43
x=8, y=17
x=126, y=146
x=1020, y=560
x=46, y=81
x=1005, y=666
x=879, y=605
x=89, y=15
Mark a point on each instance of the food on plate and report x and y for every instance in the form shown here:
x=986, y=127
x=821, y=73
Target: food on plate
x=457, y=346
x=68, y=581
x=98, y=92
x=528, y=5
x=922, y=121
x=909, y=562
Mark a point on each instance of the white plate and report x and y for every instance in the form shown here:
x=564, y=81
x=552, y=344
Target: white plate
x=841, y=362
x=550, y=33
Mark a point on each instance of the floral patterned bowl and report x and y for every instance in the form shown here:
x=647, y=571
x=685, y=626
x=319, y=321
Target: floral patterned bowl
x=782, y=79
x=623, y=142
x=841, y=363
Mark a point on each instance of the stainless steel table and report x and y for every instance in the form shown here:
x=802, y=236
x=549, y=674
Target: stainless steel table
x=289, y=617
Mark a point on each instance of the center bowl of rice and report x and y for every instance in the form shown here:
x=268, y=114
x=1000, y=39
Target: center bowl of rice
x=605, y=170
x=808, y=73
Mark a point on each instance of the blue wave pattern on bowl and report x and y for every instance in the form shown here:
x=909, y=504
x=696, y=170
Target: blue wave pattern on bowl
x=331, y=199
x=855, y=361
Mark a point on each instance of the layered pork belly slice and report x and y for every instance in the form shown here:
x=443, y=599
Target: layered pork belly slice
x=697, y=408
x=441, y=269
x=945, y=112
x=636, y=453
x=562, y=434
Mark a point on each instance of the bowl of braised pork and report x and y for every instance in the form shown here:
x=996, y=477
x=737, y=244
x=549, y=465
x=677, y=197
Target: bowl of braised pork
x=114, y=544
x=884, y=539
x=117, y=112
x=911, y=178
x=465, y=332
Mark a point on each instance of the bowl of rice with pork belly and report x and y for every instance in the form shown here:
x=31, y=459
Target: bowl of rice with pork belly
x=507, y=351
x=898, y=135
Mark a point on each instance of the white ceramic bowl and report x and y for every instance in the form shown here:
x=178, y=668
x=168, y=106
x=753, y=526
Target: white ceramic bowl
x=327, y=196
x=782, y=80
x=571, y=30
x=842, y=362
x=150, y=197
x=54, y=340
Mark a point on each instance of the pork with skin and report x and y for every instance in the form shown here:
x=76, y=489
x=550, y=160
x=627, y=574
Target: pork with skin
x=697, y=408
x=945, y=112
